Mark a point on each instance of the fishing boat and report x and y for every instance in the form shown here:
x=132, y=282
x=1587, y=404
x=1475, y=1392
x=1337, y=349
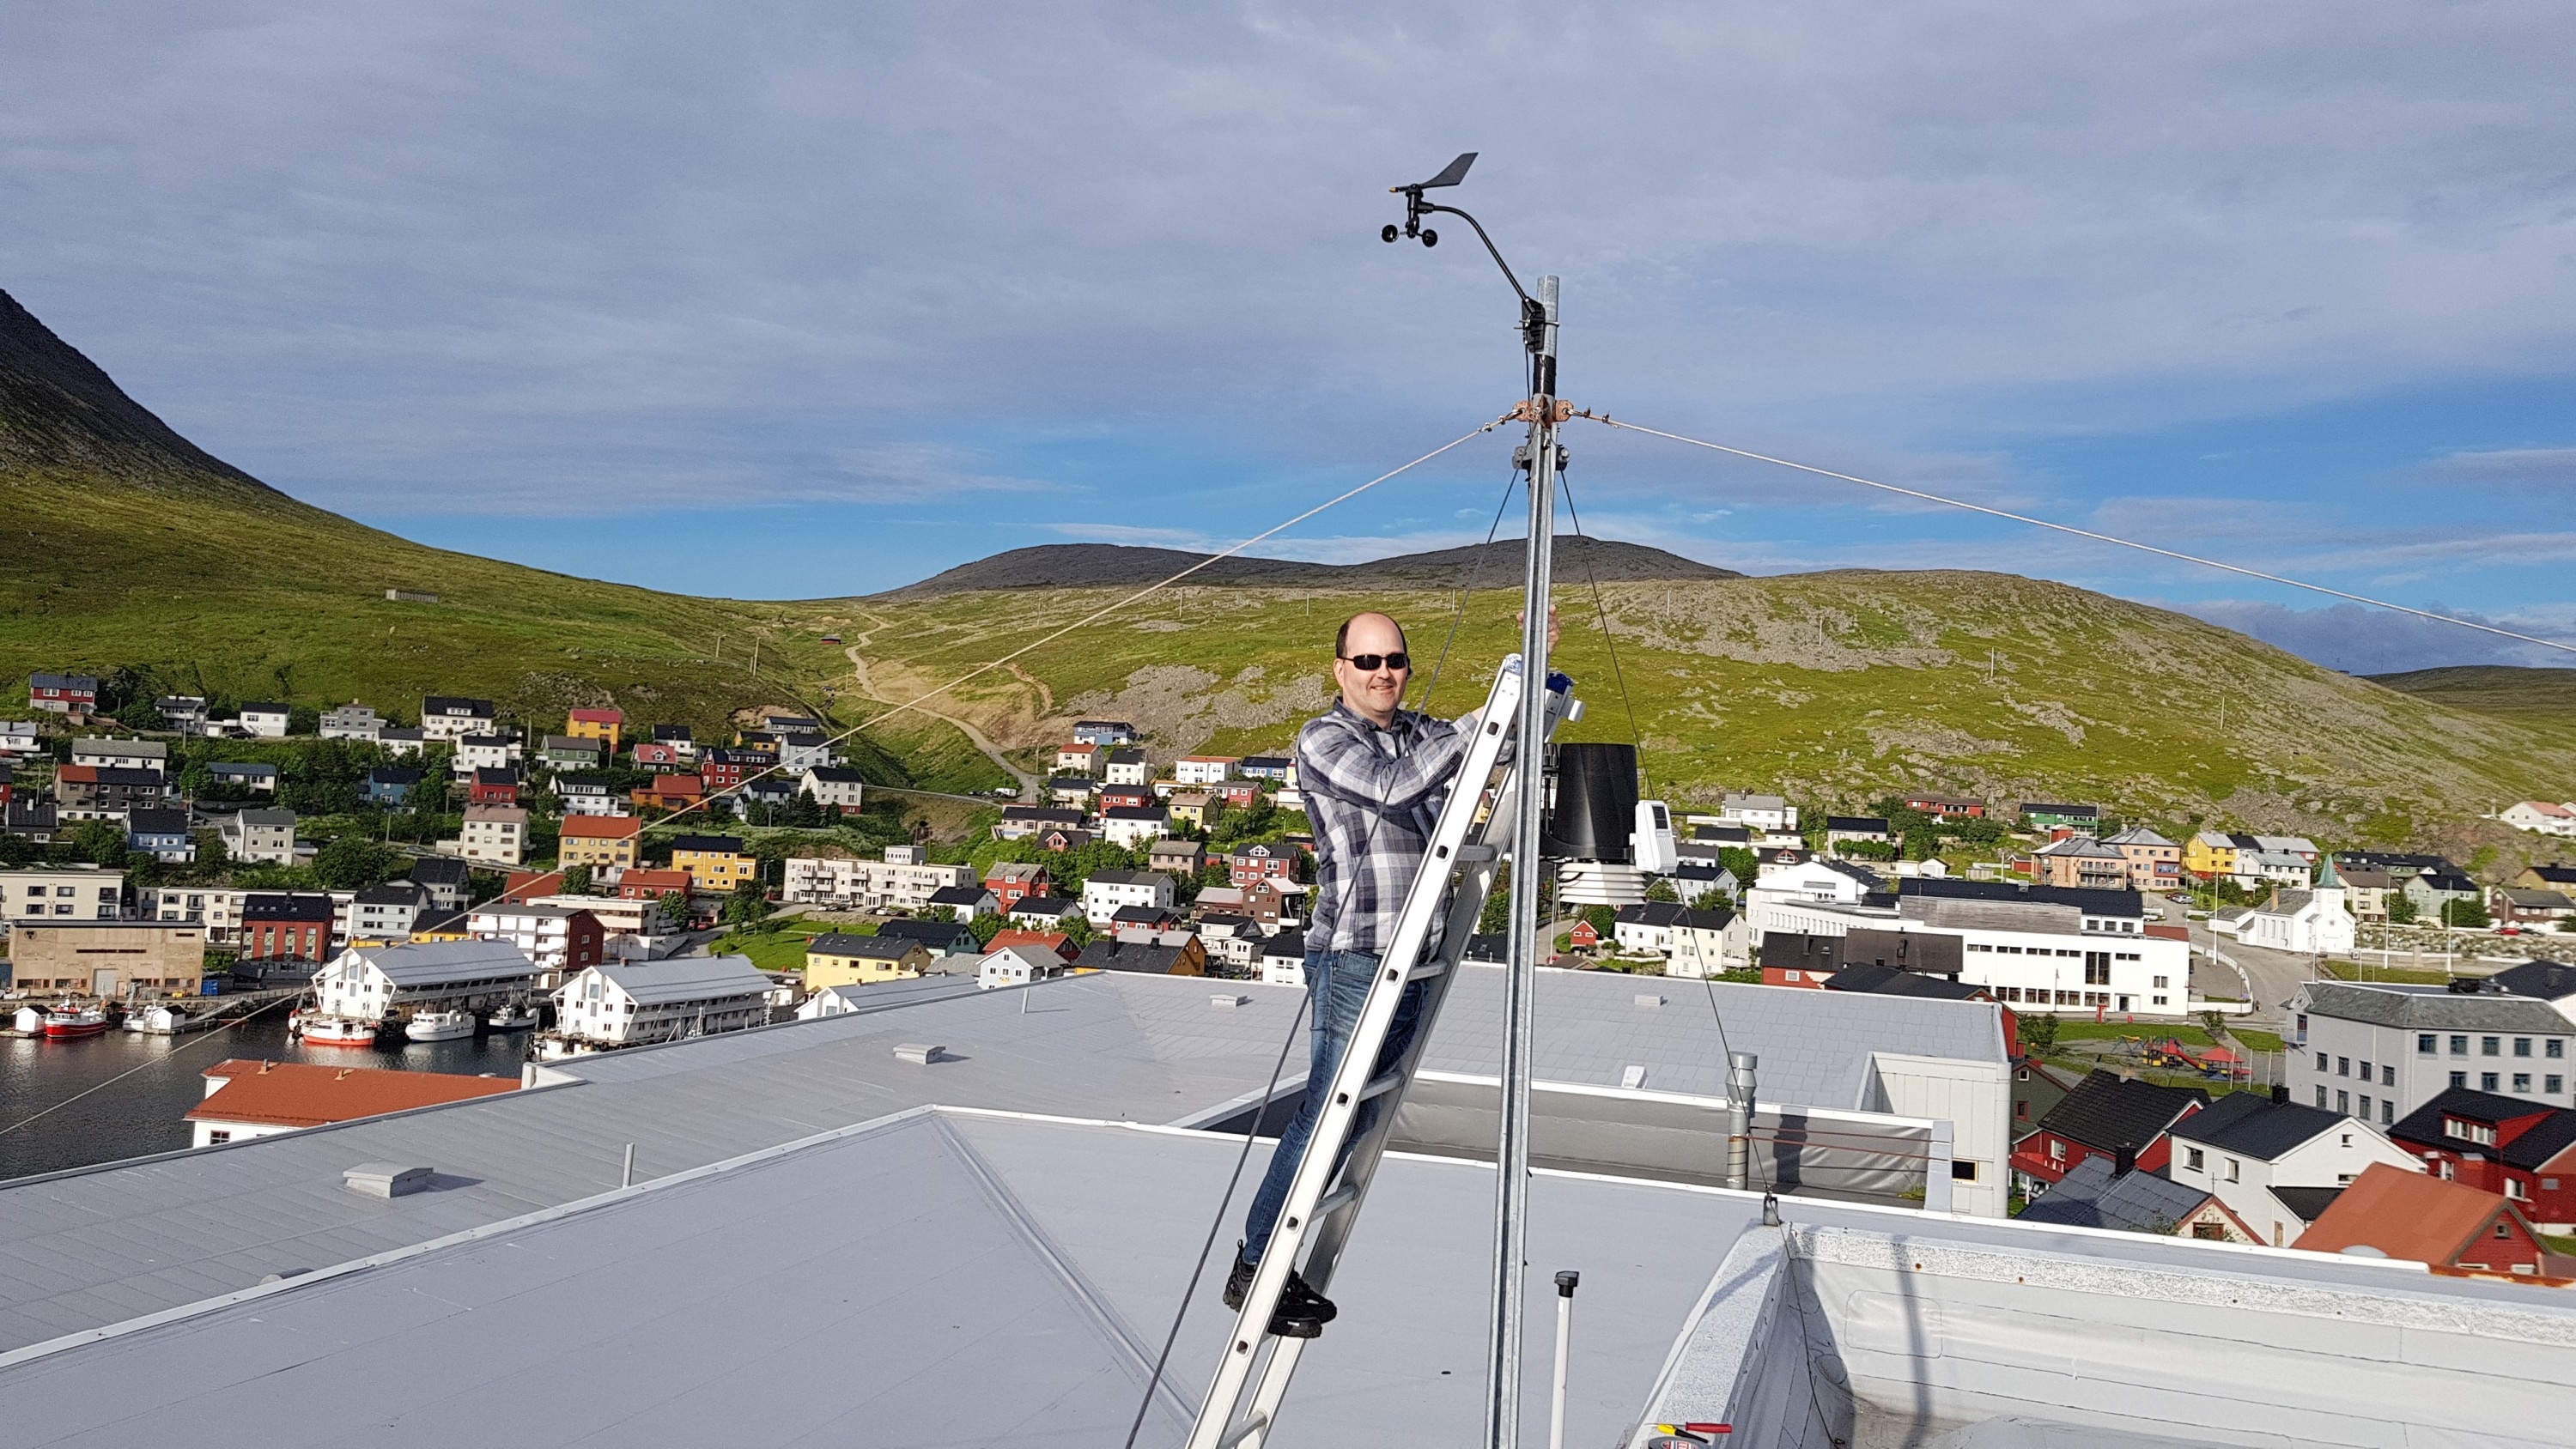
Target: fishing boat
x=512, y=1018
x=73, y=1019
x=338, y=1031
x=439, y=1025
x=164, y=1019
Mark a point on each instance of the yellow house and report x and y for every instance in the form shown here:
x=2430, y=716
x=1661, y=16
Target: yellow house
x=597, y=724
x=838, y=960
x=445, y=928
x=715, y=863
x=2209, y=854
x=1194, y=809
x=602, y=842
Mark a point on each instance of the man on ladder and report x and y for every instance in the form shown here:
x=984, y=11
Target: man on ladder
x=1374, y=776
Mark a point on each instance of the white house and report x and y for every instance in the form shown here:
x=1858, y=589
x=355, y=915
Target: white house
x=618, y=1003
x=1691, y=942
x=1134, y=825
x=2280, y=867
x=902, y=881
x=1128, y=767
x=487, y=752
x=798, y=753
x=2305, y=921
x=1203, y=769
x=2542, y=817
x=20, y=737
x=968, y=901
x=352, y=722
x=445, y=717
x=1759, y=812
x=76, y=892
x=835, y=788
x=1818, y=878
x=400, y=742
x=153, y=755
x=1018, y=966
x=2275, y=1163
x=497, y=833
x=1107, y=892
x=2378, y=1050
x=264, y=721
x=369, y=982
x=590, y=797
x=263, y=836
x=388, y=912
x=1283, y=959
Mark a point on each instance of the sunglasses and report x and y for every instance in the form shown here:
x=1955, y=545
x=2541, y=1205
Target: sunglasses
x=1368, y=663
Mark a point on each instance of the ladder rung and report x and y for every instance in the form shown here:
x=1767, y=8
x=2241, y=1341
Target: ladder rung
x=1245, y=1430
x=1383, y=1085
x=1338, y=1199
x=1426, y=970
x=1476, y=854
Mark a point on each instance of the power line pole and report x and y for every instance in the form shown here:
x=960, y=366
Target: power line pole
x=1529, y=771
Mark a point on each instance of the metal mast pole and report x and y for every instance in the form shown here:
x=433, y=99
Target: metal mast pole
x=1529, y=771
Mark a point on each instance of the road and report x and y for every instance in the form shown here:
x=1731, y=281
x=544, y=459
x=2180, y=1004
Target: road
x=1032, y=788
x=2221, y=967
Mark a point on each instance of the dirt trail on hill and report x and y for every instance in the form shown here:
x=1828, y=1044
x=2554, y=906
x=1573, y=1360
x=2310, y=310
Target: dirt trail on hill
x=1032, y=788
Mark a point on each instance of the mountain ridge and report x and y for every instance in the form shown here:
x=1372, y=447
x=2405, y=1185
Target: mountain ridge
x=1109, y=565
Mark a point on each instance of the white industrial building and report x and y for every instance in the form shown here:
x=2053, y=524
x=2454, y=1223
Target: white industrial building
x=620, y=1003
x=369, y=983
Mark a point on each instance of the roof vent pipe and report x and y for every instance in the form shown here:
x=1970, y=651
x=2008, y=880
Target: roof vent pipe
x=1739, y=1118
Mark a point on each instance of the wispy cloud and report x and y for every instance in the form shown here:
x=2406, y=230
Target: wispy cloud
x=2539, y=469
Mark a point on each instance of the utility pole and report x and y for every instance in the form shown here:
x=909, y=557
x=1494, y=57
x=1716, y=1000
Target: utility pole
x=1520, y=979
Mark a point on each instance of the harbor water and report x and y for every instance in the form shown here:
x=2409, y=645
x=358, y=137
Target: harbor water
x=140, y=1114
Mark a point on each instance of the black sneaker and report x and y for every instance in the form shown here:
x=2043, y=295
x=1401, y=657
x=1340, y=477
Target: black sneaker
x=1302, y=1312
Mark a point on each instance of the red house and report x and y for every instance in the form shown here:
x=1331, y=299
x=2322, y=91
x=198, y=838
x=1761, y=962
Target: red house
x=2524, y=1151
x=1056, y=941
x=1254, y=864
x=1012, y=882
x=2418, y=1218
x=671, y=792
x=2107, y=1115
x=494, y=787
x=726, y=768
x=1583, y=934
x=640, y=884
x=287, y=927
x=1126, y=797
x=1239, y=794
x=657, y=755
x=62, y=693
x=1946, y=808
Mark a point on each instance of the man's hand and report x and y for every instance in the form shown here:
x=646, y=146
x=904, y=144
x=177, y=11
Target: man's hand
x=1554, y=629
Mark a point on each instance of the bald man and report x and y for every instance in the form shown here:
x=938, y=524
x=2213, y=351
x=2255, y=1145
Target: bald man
x=1374, y=775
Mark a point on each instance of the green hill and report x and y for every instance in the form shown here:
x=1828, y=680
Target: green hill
x=2491, y=688
x=132, y=554
x=1836, y=687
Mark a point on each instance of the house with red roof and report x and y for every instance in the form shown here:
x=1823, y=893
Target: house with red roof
x=2415, y=1217
x=246, y=1099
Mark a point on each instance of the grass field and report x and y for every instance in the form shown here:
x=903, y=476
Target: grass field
x=2398, y=975
x=777, y=945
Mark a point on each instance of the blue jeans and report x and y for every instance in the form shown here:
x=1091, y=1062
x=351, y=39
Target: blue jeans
x=1337, y=986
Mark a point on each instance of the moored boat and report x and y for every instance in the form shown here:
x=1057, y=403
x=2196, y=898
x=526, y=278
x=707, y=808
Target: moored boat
x=73, y=1019
x=438, y=1025
x=338, y=1031
x=512, y=1018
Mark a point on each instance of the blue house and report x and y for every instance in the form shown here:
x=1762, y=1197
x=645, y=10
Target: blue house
x=391, y=785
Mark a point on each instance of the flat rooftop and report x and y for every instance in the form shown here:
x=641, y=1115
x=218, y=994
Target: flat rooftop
x=946, y=1276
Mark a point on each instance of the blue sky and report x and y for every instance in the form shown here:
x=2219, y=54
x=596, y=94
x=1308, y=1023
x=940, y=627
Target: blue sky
x=790, y=300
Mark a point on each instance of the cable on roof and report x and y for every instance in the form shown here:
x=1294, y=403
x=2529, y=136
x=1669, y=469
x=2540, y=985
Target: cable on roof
x=1606, y=420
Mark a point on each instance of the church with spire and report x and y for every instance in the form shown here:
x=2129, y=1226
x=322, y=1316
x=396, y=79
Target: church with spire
x=2314, y=921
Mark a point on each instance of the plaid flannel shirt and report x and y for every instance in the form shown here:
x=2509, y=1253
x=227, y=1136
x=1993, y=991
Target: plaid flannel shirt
x=1374, y=796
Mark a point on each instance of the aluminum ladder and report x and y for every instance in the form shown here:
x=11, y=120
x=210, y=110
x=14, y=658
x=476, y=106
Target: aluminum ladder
x=1467, y=846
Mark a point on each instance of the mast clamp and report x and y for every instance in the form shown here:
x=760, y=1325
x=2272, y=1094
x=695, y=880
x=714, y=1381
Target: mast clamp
x=1528, y=409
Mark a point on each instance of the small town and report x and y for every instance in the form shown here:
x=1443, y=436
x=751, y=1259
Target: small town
x=1238, y=727
x=599, y=883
